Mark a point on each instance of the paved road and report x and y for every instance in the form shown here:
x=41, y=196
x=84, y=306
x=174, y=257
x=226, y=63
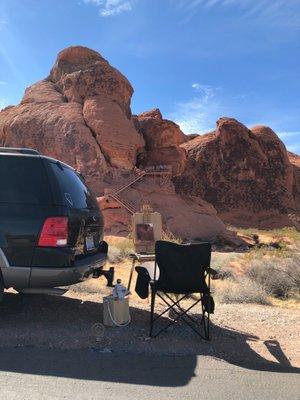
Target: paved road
x=31, y=373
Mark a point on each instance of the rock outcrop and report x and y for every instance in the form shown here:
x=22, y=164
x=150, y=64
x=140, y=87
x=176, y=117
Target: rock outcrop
x=81, y=115
x=162, y=139
x=246, y=174
x=295, y=161
x=176, y=211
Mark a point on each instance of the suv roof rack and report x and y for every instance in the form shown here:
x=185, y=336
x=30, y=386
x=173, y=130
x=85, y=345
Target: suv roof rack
x=18, y=150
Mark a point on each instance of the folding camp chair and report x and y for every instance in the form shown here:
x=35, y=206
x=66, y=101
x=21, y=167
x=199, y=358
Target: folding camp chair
x=183, y=270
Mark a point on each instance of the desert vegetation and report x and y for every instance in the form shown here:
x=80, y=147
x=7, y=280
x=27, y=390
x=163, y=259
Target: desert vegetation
x=268, y=273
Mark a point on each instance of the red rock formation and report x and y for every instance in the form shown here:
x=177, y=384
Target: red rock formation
x=81, y=114
x=245, y=174
x=295, y=161
x=162, y=138
x=176, y=211
x=46, y=122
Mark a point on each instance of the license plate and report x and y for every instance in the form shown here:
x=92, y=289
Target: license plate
x=89, y=243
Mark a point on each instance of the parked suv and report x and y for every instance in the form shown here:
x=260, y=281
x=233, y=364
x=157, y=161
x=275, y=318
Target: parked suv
x=51, y=228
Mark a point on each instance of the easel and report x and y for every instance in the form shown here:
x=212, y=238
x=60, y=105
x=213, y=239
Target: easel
x=145, y=249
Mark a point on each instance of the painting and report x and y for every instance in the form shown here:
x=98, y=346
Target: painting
x=144, y=233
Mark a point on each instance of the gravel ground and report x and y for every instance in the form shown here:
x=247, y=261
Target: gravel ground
x=264, y=335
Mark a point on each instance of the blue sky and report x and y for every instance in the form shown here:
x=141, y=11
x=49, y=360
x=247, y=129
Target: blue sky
x=196, y=60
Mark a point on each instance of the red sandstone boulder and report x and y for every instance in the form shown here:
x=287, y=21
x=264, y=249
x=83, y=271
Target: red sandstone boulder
x=162, y=140
x=114, y=132
x=81, y=114
x=159, y=132
x=80, y=73
x=171, y=156
x=185, y=216
x=55, y=128
x=245, y=174
x=295, y=161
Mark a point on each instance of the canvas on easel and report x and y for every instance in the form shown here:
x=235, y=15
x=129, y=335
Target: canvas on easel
x=144, y=233
x=147, y=229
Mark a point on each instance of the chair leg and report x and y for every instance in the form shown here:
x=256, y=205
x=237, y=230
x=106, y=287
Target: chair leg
x=205, y=322
x=208, y=324
x=152, y=312
x=203, y=316
x=208, y=314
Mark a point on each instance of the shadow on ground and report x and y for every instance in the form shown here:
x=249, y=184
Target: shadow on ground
x=48, y=335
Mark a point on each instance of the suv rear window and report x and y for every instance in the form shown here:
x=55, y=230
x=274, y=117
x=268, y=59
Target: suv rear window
x=75, y=192
x=23, y=180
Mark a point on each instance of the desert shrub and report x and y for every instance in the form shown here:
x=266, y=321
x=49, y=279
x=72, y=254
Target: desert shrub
x=287, y=232
x=242, y=290
x=119, y=248
x=126, y=247
x=279, y=277
x=170, y=237
x=114, y=254
x=221, y=263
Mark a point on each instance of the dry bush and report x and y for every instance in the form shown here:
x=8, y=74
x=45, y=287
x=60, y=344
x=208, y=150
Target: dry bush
x=114, y=254
x=221, y=263
x=170, y=237
x=119, y=248
x=279, y=277
x=242, y=290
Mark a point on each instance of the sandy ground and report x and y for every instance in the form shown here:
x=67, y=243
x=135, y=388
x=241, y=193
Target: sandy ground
x=260, y=335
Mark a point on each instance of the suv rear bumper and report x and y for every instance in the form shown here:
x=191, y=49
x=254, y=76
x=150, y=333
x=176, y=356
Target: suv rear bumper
x=38, y=277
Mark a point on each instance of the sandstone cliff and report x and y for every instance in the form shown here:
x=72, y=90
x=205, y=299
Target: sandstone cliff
x=246, y=174
x=81, y=115
x=162, y=139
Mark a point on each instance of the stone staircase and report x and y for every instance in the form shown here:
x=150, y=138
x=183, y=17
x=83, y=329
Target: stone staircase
x=130, y=207
x=162, y=173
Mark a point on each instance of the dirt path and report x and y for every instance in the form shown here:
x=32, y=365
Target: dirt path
x=260, y=335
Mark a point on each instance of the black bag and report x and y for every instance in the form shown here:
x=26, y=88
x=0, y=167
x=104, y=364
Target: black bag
x=208, y=303
x=142, y=282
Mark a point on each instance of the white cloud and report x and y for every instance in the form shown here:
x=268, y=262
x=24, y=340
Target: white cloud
x=291, y=135
x=109, y=8
x=2, y=83
x=206, y=90
x=198, y=115
x=279, y=12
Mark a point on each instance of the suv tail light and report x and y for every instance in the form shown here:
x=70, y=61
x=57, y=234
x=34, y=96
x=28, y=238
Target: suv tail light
x=54, y=232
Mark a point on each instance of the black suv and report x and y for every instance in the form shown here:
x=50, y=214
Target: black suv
x=51, y=228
